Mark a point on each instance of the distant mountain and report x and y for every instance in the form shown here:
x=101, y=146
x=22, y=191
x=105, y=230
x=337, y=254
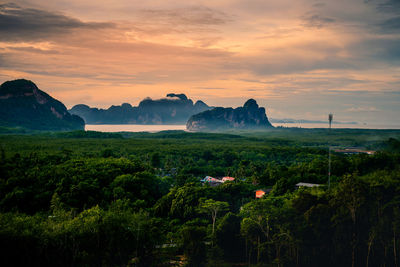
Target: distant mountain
x=22, y=104
x=174, y=109
x=250, y=116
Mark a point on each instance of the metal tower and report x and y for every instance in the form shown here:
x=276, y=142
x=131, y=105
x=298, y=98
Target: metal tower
x=330, y=117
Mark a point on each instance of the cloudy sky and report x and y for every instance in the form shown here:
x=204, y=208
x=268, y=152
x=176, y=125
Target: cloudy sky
x=299, y=59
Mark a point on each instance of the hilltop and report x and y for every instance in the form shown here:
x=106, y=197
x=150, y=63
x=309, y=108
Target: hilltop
x=23, y=104
x=250, y=116
x=174, y=109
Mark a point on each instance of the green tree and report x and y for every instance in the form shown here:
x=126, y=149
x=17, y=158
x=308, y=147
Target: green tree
x=213, y=207
x=155, y=160
x=193, y=242
x=350, y=195
x=228, y=237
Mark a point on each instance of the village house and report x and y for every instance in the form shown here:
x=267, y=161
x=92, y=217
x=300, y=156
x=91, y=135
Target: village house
x=215, y=182
x=298, y=185
x=262, y=192
x=227, y=178
x=353, y=150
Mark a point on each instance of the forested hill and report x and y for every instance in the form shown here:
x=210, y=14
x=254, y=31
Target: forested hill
x=99, y=199
x=23, y=104
x=174, y=109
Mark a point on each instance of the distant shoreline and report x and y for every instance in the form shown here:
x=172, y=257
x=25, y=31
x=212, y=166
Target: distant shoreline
x=309, y=121
x=182, y=127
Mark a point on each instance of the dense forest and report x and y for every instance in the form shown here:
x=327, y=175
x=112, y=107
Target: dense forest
x=136, y=199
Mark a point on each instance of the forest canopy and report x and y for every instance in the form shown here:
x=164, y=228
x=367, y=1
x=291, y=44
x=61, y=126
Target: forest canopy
x=136, y=199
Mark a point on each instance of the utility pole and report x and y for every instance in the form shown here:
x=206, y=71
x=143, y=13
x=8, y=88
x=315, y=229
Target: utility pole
x=330, y=117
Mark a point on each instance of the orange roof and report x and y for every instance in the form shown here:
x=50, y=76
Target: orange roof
x=260, y=193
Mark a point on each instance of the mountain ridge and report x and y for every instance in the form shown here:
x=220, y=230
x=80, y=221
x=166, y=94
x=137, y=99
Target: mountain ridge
x=23, y=104
x=174, y=109
x=250, y=116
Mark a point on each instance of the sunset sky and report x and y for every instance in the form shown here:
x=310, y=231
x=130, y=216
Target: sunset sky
x=300, y=59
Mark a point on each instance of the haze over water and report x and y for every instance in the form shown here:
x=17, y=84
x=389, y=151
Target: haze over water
x=158, y=128
x=132, y=127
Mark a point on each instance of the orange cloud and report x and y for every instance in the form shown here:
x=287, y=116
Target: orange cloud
x=274, y=51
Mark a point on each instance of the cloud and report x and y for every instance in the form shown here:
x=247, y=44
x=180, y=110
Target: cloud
x=28, y=24
x=3, y=62
x=298, y=62
x=376, y=50
x=389, y=6
x=312, y=55
x=388, y=16
x=34, y=50
x=210, y=88
x=391, y=25
x=362, y=109
x=318, y=5
x=197, y=15
x=316, y=21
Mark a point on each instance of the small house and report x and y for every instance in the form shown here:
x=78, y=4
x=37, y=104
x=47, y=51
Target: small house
x=298, y=185
x=227, y=178
x=262, y=192
x=211, y=180
x=350, y=151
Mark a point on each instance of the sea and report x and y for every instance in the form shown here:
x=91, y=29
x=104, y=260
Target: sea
x=158, y=128
x=112, y=128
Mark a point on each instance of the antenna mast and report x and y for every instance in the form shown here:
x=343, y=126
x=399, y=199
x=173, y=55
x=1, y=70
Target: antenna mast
x=330, y=117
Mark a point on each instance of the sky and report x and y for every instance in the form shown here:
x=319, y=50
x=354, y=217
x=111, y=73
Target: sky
x=299, y=59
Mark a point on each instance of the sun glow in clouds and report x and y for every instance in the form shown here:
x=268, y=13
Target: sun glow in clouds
x=299, y=59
